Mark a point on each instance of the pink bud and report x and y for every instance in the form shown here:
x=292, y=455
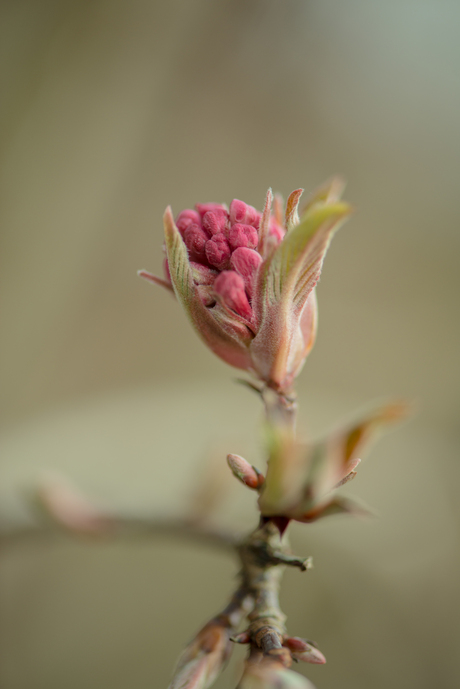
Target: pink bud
x=195, y=239
x=303, y=650
x=202, y=275
x=206, y=294
x=240, y=212
x=218, y=251
x=204, y=208
x=215, y=222
x=229, y=286
x=246, y=262
x=244, y=472
x=186, y=218
x=243, y=235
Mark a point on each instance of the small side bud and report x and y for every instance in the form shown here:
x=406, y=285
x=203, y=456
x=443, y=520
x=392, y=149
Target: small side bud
x=244, y=472
x=303, y=650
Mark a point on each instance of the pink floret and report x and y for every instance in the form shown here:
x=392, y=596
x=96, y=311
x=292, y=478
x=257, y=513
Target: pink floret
x=195, y=239
x=243, y=235
x=215, y=222
x=229, y=286
x=246, y=262
x=186, y=218
x=218, y=251
x=203, y=208
x=202, y=275
x=240, y=212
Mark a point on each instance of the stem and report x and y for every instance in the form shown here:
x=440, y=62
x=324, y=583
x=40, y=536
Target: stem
x=264, y=557
x=280, y=410
x=127, y=526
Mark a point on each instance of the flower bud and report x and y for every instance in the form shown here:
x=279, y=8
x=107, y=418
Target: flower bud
x=218, y=251
x=195, y=239
x=263, y=318
x=246, y=262
x=215, y=222
x=229, y=287
x=204, y=208
x=186, y=218
x=243, y=235
x=203, y=275
x=240, y=212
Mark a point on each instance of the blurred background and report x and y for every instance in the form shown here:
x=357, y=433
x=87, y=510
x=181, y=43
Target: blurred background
x=111, y=110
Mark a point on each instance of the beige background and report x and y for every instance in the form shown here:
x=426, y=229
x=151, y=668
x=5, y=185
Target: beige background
x=112, y=110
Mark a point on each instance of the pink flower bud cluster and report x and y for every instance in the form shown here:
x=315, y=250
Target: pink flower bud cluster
x=222, y=247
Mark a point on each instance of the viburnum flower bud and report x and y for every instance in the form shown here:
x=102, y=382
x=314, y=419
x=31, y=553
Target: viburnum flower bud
x=243, y=235
x=229, y=289
x=259, y=311
x=218, y=251
x=186, y=218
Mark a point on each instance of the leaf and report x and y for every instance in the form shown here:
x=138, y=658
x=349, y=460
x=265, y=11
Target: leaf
x=296, y=264
x=264, y=225
x=336, y=505
x=285, y=283
x=292, y=215
x=329, y=192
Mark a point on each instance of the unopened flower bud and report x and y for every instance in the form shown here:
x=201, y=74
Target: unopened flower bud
x=272, y=288
x=229, y=287
x=204, y=208
x=240, y=212
x=195, y=239
x=245, y=472
x=215, y=222
x=246, y=262
x=218, y=251
x=243, y=235
x=203, y=275
x=303, y=650
x=186, y=218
